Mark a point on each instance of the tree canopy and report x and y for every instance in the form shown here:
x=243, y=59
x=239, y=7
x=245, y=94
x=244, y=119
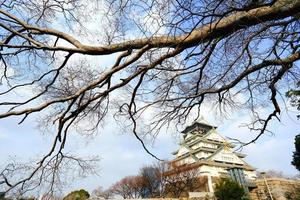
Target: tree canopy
x=228, y=190
x=77, y=63
x=296, y=154
x=77, y=195
x=294, y=96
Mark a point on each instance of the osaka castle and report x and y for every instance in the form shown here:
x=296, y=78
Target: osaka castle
x=202, y=147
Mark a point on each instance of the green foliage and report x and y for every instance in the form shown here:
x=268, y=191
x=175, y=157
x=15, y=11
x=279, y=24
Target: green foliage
x=2, y=195
x=228, y=189
x=296, y=154
x=25, y=198
x=294, y=96
x=77, y=195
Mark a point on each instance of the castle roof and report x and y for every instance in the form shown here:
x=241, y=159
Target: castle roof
x=203, y=145
x=199, y=123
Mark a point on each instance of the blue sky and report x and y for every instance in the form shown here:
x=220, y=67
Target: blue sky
x=121, y=154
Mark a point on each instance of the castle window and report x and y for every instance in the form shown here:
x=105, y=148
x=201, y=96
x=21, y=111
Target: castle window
x=227, y=158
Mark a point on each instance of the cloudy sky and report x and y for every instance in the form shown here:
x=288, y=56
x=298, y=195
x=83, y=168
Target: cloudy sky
x=121, y=154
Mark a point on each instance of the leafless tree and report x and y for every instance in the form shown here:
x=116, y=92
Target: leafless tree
x=273, y=174
x=155, y=179
x=129, y=187
x=100, y=192
x=49, y=177
x=151, y=176
x=182, y=179
x=169, y=58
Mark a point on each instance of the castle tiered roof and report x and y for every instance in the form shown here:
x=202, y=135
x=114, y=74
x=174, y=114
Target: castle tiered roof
x=202, y=145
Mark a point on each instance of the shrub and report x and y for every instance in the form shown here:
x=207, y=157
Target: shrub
x=77, y=195
x=228, y=189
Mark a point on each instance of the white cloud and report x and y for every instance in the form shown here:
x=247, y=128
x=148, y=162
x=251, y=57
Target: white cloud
x=273, y=154
x=120, y=152
x=122, y=155
x=270, y=151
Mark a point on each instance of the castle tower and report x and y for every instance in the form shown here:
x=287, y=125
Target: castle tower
x=205, y=149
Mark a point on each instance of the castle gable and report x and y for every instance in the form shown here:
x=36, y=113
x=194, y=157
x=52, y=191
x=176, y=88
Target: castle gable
x=203, y=147
x=225, y=155
x=214, y=136
x=182, y=150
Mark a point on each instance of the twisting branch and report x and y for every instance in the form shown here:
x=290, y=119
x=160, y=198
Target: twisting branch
x=167, y=57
